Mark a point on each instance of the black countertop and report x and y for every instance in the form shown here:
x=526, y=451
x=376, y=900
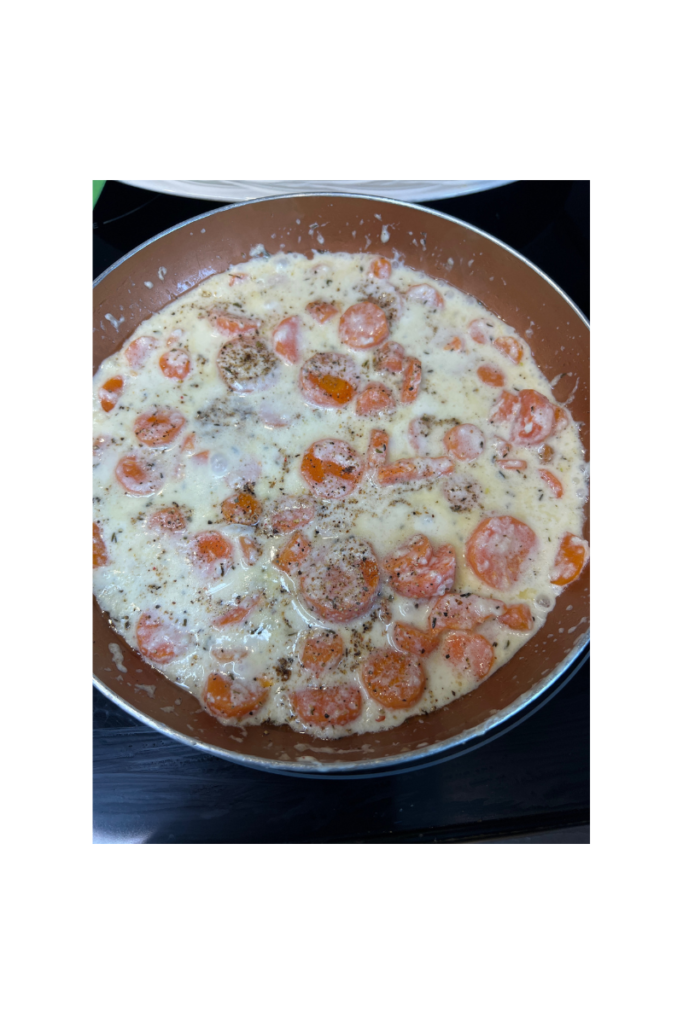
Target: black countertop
x=530, y=785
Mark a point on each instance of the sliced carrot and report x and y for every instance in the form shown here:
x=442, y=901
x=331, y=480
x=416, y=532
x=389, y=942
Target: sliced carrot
x=469, y=652
x=505, y=408
x=517, y=616
x=322, y=311
x=412, y=378
x=410, y=640
x=249, y=550
x=227, y=697
x=322, y=652
x=287, y=340
x=159, y=639
x=168, y=520
x=461, y=611
x=498, y=550
x=228, y=654
x=393, y=679
x=291, y=514
x=211, y=551
x=389, y=357
x=378, y=448
x=343, y=580
x=561, y=419
x=293, y=553
x=482, y=331
x=139, y=350
x=425, y=294
x=234, y=326
x=375, y=400
x=331, y=468
x=363, y=325
x=380, y=267
x=159, y=427
x=139, y=474
x=535, y=419
x=110, y=392
x=175, y=364
x=416, y=570
x=510, y=347
x=244, y=509
x=238, y=612
x=99, y=548
x=329, y=379
x=331, y=706
x=570, y=560
x=405, y=471
x=553, y=483
x=490, y=375
x=464, y=442
x=456, y=345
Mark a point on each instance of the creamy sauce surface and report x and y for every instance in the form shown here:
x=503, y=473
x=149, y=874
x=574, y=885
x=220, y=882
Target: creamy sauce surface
x=209, y=430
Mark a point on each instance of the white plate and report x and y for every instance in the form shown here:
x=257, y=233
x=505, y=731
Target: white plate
x=238, y=191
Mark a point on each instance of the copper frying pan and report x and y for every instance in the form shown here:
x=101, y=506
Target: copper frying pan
x=445, y=248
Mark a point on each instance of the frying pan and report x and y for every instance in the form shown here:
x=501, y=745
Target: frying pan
x=151, y=276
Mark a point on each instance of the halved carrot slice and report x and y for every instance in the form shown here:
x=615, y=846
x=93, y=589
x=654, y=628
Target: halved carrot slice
x=238, y=612
x=99, y=549
x=378, y=448
x=491, y=375
x=110, y=392
x=570, y=560
x=287, y=339
x=553, y=483
x=412, y=378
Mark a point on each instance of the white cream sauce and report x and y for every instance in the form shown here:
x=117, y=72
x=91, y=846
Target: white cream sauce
x=257, y=439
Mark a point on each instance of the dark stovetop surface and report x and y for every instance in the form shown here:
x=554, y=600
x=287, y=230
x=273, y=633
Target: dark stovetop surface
x=529, y=785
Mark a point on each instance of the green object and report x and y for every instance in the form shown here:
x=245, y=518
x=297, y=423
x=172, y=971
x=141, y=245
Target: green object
x=97, y=187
